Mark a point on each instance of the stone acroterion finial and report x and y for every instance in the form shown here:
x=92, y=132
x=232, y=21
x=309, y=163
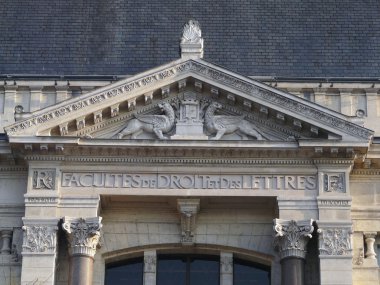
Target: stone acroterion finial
x=192, y=41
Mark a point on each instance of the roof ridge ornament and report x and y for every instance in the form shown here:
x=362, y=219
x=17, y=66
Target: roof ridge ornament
x=191, y=40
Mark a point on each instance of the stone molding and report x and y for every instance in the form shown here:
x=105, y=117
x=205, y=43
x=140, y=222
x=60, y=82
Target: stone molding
x=206, y=70
x=83, y=235
x=335, y=241
x=291, y=237
x=39, y=239
x=333, y=203
x=188, y=208
x=198, y=161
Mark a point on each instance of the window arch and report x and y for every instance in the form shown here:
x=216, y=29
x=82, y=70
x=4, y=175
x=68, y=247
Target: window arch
x=186, y=269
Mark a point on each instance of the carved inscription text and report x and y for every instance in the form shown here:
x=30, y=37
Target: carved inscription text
x=188, y=181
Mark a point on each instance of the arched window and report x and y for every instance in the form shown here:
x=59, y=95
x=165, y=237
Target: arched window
x=185, y=269
x=127, y=272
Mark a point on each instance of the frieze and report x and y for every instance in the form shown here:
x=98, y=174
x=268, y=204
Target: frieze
x=40, y=239
x=335, y=241
x=209, y=72
x=187, y=181
x=44, y=179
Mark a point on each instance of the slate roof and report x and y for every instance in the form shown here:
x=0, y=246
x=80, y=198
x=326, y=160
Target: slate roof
x=292, y=38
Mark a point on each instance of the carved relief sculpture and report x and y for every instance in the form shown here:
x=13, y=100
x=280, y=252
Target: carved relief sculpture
x=44, y=179
x=188, y=209
x=334, y=182
x=157, y=124
x=150, y=262
x=335, y=241
x=191, y=32
x=292, y=237
x=222, y=124
x=39, y=239
x=83, y=235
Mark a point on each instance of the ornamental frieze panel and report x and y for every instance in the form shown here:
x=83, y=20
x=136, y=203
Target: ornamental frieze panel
x=39, y=239
x=335, y=241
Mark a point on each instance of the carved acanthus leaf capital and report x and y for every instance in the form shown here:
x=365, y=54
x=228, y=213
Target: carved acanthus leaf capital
x=39, y=239
x=292, y=236
x=83, y=235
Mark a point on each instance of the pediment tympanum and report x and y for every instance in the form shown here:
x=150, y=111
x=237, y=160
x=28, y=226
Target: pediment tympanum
x=189, y=99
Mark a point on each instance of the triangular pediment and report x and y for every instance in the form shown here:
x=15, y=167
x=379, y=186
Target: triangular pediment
x=273, y=114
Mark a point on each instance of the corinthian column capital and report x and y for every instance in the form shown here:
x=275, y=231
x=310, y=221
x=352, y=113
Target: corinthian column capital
x=83, y=235
x=291, y=237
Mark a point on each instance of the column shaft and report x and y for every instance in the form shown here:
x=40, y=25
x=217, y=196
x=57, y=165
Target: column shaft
x=293, y=271
x=81, y=270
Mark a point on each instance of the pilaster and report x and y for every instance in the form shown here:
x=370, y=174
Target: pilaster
x=335, y=224
x=226, y=268
x=39, y=251
x=150, y=265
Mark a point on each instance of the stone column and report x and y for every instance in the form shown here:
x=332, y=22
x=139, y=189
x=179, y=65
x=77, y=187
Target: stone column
x=370, y=242
x=150, y=263
x=83, y=236
x=39, y=251
x=6, y=236
x=291, y=240
x=226, y=268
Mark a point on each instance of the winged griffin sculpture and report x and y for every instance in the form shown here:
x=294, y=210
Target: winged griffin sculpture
x=157, y=124
x=222, y=124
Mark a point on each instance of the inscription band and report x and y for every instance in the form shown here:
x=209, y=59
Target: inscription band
x=188, y=181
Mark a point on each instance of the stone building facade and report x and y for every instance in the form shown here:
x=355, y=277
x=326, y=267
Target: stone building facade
x=108, y=178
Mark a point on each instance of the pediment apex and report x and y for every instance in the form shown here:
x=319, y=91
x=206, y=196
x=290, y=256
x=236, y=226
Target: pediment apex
x=128, y=92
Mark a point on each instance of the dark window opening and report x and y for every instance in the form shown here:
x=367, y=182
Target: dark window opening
x=127, y=272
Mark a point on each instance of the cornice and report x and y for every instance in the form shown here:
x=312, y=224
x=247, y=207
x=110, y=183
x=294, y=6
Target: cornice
x=13, y=168
x=167, y=161
x=366, y=172
x=117, y=92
